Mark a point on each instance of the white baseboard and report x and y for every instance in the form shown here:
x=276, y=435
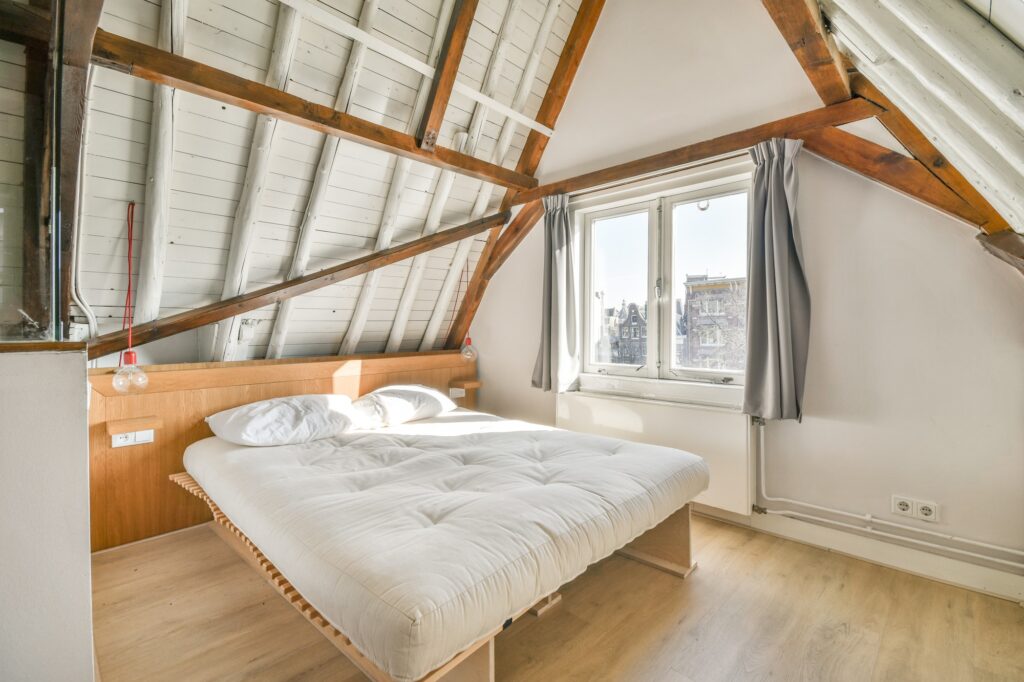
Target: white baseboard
x=933, y=566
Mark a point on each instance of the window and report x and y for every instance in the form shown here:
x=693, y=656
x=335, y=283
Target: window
x=672, y=269
x=618, y=270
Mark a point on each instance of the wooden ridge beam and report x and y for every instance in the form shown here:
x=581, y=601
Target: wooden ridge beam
x=500, y=250
x=801, y=24
x=161, y=67
x=243, y=303
x=20, y=23
x=918, y=144
x=836, y=114
x=559, y=85
x=447, y=69
x=890, y=168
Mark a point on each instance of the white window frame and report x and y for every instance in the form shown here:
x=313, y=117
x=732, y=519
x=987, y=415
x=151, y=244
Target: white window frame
x=735, y=377
x=656, y=196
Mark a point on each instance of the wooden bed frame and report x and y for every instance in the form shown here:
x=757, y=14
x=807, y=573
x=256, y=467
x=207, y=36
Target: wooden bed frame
x=132, y=498
x=665, y=547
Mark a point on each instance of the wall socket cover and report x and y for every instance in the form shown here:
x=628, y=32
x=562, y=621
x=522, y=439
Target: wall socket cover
x=904, y=506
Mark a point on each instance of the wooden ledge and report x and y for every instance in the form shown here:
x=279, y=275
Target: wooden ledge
x=42, y=346
x=135, y=424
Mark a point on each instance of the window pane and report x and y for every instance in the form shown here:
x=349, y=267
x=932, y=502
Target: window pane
x=709, y=278
x=618, y=315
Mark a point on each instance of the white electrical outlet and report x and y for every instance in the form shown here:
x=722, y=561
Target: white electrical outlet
x=926, y=511
x=120, y=440
x=456, y=393
x=904, y=506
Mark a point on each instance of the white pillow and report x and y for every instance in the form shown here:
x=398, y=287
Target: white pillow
x=284, y=421
x=393, y=405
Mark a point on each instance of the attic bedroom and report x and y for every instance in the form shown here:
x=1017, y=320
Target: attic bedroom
x=464, y=340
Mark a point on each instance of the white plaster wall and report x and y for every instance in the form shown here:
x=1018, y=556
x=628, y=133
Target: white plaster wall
x=659, y=74
x=915, y=381
x=45, y=583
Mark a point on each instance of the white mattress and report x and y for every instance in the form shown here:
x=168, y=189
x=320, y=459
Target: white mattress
x=415, y=541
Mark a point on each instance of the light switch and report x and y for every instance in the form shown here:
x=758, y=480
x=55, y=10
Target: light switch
x=121, y=440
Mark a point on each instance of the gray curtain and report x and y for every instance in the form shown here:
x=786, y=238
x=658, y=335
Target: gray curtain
x=779, y=303
x=558, y=359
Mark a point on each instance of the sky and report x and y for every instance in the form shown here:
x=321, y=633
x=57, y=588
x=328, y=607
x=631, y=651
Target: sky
x=712, y=242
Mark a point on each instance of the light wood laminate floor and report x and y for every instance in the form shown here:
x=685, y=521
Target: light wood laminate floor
x=186, y=607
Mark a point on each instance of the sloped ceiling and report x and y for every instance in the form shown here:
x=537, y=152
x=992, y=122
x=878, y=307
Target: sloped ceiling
x=211, y=146
x=724, y=66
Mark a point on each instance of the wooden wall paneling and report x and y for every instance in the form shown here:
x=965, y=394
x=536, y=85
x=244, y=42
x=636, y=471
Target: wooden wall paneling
x=130, y=494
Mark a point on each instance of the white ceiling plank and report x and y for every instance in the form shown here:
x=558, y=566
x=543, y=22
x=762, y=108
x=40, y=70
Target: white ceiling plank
x=243, y=231
x=321, y=183
x=171, y=37
x=396, y=189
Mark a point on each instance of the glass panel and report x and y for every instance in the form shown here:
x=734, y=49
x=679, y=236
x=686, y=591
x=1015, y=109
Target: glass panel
x=618, y=315
x=709, y=279
x=27, y=251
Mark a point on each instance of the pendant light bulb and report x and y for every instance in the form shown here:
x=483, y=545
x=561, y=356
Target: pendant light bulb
x=130, y=377
x=469, y=350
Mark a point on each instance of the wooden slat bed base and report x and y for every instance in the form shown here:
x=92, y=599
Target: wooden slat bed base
x=473, y=664
x=666, y=547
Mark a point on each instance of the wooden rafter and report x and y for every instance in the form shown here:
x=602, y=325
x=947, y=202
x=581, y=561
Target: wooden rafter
x=321, y=181
x=918, y=144
x=576, y=43
x=889, y=168
x=243, y=303
x=492, y=77
x=500, y=250
x=157, y=66
x=393, y=202
x=837, y=114
x=447, y=69
x=801, y=24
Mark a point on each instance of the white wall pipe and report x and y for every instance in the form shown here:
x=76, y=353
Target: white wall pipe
x=872, y=520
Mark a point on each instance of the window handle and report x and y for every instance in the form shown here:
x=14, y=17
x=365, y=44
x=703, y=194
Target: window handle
x=657, y=289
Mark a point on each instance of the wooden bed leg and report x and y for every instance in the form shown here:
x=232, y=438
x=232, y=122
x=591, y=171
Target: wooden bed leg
x=477, y=667
x=546, y=604
x=666, y=546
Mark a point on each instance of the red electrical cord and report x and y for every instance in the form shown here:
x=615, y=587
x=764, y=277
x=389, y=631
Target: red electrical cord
x=126, y=318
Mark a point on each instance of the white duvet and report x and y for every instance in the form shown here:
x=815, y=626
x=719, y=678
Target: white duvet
x=417, y=540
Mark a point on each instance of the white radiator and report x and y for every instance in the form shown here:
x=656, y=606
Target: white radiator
x=721, y=436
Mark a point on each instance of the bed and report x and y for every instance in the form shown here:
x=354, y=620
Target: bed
x=416, y=543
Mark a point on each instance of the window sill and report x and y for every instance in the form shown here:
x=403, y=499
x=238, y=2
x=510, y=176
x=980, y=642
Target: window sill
x=663, y=390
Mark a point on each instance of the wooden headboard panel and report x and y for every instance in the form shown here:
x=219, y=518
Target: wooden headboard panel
x=130, y=494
